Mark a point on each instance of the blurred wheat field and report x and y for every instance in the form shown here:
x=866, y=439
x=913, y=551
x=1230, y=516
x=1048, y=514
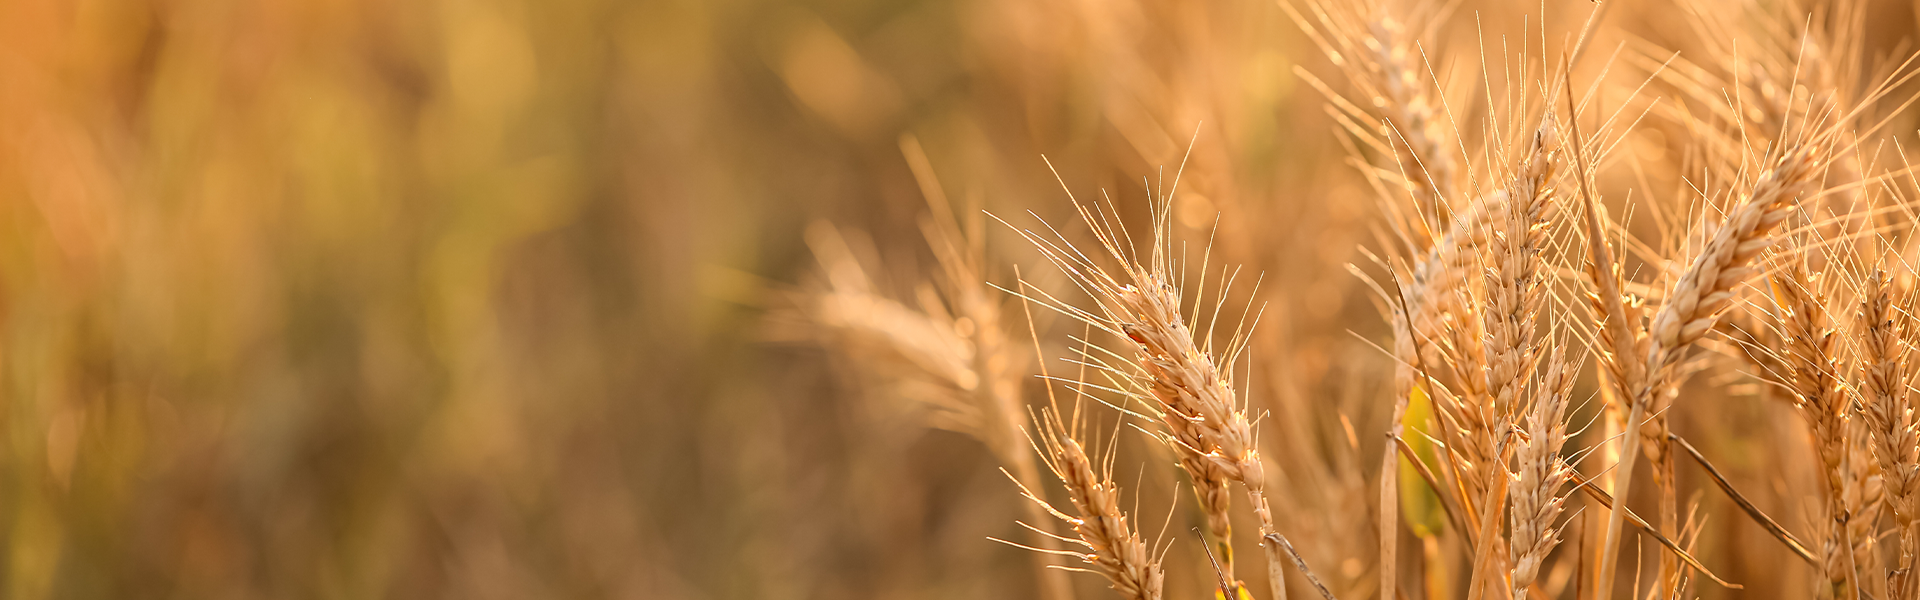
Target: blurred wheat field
x=714, y=299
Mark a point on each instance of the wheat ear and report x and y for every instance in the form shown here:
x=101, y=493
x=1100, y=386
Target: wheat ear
x=1199, y=408
x=1483, y=411
x=1414, y=112
x=1886, y=368
x=1536, y=501
x=1515, y=291
x=1174, y=374
x=1708, y=286
x=1113, y=549
x=1693, y=304
x=1393, y=107
x=1813, y=369
x=1514, y=295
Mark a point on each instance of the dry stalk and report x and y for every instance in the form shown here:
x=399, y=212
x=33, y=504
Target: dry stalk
x=1483, y=555
x=1618, y=342
x=1593, y=491
x=1773, y=527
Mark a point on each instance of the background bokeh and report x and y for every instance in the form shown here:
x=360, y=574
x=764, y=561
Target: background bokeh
x=471, y=298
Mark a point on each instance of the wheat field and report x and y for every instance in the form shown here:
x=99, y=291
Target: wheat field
x=1052, y=299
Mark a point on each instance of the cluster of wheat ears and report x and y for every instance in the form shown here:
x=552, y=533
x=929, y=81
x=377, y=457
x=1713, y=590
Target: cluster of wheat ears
x=1501, y=268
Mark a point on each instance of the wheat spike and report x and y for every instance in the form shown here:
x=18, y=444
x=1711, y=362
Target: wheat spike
x=1175, y=375
x=1536, y=500
x=1886, y=370
x=1112, y=547
x=1394, y=106
x=1708, y=286
x=1514, y=288
x=1812, y=374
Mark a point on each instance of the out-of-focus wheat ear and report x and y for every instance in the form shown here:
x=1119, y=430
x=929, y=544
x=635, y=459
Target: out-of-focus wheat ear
x=1112, y=547
x=961, y=253
x=1446, y=323
x=1413, y=115
x=1885, y=330
x=1536, y=500
x=1395, y=106
x=1788, y=88
x=951, y=356
x=1812, y=373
